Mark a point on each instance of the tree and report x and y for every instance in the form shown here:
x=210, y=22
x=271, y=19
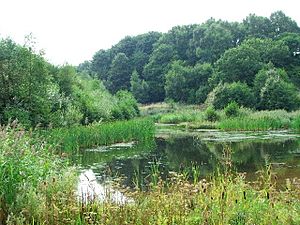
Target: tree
x=273, y=89
x=176, y=86
x=281, y=23
x=184, y=82
x=119, y=74
x=155, y=71
x=66, y=79
x=261, y=77
x=101, y=63
x=278, y=94
x=24, y=85
x=225, y=93
x=258, y=26
x=238, y=64
x=216, y=38
x=243, y=62
x=138, y=87
x=269, y=50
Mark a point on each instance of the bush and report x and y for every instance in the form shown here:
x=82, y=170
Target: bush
x=225, y=93
x=232, y=109
x=126, y=106
x=211, y=114
x=278, y=94
x=19, y=114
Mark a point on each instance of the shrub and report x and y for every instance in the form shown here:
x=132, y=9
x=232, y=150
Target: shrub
x=278, y=94
x=126, y=106
x=232, y=109
x=226, y=93
x=211, y=114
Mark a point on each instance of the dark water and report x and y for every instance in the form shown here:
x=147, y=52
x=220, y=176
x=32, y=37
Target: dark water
x=176, y=150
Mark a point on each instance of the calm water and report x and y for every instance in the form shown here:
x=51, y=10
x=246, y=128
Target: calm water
x=179, y=150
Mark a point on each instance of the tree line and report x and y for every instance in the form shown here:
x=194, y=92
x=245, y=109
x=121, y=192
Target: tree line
x=255, y=63
x=37, y=93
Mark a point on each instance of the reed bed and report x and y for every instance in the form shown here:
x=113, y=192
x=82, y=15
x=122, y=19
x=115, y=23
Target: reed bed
x=260, y=120
x=81, y=137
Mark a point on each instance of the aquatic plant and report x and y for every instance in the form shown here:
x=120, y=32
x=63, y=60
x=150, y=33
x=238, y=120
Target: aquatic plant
x=97, y=134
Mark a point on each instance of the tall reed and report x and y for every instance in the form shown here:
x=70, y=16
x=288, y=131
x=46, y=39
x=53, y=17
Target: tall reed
x=80, y=137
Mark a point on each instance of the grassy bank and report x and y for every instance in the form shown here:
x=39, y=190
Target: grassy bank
x=80, y=137
x=34, y=182
x=261, y=120
x=195, y=117
x=223, y=200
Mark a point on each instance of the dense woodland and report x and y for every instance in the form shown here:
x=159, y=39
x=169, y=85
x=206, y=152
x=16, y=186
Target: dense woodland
x=255, y=63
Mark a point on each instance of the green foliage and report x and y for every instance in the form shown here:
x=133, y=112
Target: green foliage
x=24, y=84
x=125, y=107
x=138, y=87
x=296, y=123
x=232, y=109
x=278, y=94
x=119, y=73
x=238, y=64
x=92, y=99
x=186, y=83
x=223, y=94
x=174, y=65
x=24, y=162
x=217, y=36
x=211, y=114
x=65, y=78
x=260, y=120
x=176, y=82
x=154, y=72
x=97, y=134
x=181, y=117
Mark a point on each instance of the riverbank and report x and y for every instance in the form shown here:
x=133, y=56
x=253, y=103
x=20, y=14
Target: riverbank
x=238, y=119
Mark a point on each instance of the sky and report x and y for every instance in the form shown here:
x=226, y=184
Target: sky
x=71, y=31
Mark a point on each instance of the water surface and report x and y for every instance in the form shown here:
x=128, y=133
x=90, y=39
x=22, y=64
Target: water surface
x=179, y=150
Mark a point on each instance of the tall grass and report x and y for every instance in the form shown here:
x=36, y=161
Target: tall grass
x=296, y=123
x=75, y=138
x=26, y=165
x=261, y=120
x=224, y=199
x=181, y=116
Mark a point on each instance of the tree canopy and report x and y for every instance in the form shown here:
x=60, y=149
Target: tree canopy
x=188, y=62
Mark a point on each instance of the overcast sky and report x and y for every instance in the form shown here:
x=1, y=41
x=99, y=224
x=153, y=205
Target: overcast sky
x=73, y=30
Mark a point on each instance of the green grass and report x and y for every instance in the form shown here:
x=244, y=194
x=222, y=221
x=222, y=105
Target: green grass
x=80, y=137
x=179, y=117
x=192, y=117
x=26, y=165
x=260, y=120
x=296, y=123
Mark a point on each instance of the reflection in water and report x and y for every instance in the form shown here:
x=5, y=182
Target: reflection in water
x=90, y=190
x=180, y=152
